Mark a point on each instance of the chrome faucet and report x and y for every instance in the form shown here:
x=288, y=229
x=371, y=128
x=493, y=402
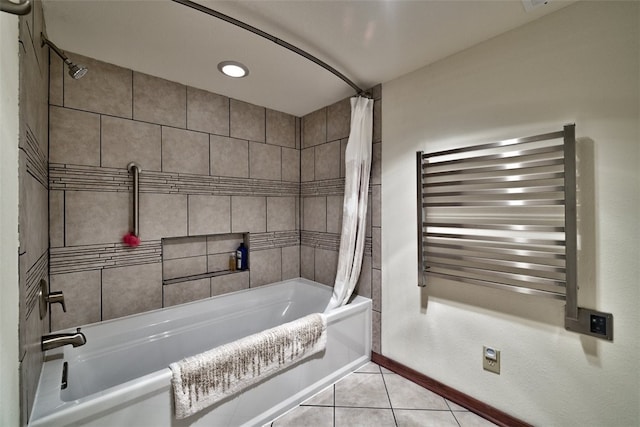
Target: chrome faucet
x=58, y=340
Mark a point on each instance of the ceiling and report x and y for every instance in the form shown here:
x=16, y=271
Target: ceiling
x=371, y=41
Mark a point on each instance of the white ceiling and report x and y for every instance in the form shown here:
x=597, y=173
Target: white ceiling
x=370, y=41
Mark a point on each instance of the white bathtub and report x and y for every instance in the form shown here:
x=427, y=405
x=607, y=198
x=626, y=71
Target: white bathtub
x=121, y=376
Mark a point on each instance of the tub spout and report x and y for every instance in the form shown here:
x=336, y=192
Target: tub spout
x=58, y=340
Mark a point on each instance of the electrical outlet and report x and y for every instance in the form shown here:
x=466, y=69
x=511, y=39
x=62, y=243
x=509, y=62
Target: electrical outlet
x=491, y=359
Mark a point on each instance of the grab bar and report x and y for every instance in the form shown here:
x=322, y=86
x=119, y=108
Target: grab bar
x=21, y=8
x=135, y=169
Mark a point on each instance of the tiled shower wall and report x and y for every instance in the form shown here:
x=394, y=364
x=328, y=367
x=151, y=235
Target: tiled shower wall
x=33, y=222
x=324, y=139
x=211, y=165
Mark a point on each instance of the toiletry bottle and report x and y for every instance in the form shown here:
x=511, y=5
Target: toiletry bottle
x=232, y=262
x=241, y=257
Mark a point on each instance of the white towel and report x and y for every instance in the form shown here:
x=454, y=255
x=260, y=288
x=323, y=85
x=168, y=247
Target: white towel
x=200, y=381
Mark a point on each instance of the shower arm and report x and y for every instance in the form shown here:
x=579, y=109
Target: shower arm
x=274, y=39
x=55, y=48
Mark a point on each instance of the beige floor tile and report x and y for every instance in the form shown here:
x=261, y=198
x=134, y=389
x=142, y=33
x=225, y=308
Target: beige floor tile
x=420, y=418
x=405, y=394
x=364, y=417
x=324, y=398
x=316, y=416
x=362, y=390
x=455, y=406
x=469, y=419
x=370, y=368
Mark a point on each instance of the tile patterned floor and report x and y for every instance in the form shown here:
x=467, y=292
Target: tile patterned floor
x=375, y=396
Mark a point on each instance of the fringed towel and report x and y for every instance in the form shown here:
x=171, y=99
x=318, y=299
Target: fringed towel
x=200, y=381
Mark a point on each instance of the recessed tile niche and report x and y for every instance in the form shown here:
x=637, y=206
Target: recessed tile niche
x=197, y=265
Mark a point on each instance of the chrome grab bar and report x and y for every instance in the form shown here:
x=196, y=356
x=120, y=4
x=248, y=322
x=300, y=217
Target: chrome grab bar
x=135, y=169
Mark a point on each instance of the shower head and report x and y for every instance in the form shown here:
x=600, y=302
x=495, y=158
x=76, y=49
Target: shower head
x=75, y=71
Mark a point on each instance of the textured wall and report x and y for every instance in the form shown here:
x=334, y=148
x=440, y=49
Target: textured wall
x=581, y=65
x=211, y=165
x=324, y=139
x=33, y=231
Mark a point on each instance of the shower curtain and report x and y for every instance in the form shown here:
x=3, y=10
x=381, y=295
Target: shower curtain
x=354, y=211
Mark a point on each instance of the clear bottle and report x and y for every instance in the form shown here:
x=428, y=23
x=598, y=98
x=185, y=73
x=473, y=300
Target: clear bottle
x=232, y=262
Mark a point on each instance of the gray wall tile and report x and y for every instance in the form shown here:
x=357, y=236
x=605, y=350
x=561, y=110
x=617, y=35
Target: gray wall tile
x=56, y=218
x=249, y=214
x=334, y=214
x=266, y=266
x=93, y=217
x=291, y=165
x=183, y=247
x=290, y=262
x=105, y=89
x=183, y=267
x=82, y=298
x=376, y=164
x=74, y=137
x=327, y=161
x=229, y=283
x=162, y=215
x=265, y=161
x=376, y=341
x=159, y=101
x=376, y=248
x=130, y=290
x=338, y=119
x=314, y=128
x=377, y=121
x=56, y=73
x=314, y=213
x=343, y=150
x=281, y=213
x=209, y=214
x=207, y=112
x=185, y=151
x=125, y=141
x=307, y=165
x=227, y=243
x=363, y=286
x=247, y=121
x=307, y=262
x=34, y=236
x=376, y=204
x=326, y=266
x=281, y=129
x=229, y=157
x=376, y=289
x=218, y=262
x=180, y=293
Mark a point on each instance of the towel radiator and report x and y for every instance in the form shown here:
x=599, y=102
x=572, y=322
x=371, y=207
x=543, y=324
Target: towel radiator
x=503, y=215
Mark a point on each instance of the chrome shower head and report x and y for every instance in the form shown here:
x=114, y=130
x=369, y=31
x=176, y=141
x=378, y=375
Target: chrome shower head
x=75, y=71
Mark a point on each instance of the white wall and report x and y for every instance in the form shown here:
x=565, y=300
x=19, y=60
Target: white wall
x=9, y=394
x=578, y=65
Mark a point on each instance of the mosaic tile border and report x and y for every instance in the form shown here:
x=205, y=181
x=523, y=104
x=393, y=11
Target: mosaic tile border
x=37, y=164
x=329, y=187
x=38, y=271
x=72, y=259
x=93, y=178
x=329, y=241
x=100, y=256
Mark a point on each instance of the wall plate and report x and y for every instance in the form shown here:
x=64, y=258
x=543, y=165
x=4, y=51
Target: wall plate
x=491, y=359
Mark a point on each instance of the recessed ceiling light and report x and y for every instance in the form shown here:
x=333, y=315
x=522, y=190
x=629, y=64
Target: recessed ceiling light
x=233, y=69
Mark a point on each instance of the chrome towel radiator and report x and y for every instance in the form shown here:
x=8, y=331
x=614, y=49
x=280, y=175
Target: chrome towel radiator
x=503, y=215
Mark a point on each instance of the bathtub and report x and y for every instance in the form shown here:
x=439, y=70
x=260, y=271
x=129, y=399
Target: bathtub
x=121, y=375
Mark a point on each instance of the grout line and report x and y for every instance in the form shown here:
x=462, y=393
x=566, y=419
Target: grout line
x=389, y=398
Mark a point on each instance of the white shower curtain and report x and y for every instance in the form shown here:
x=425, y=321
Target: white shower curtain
x=356, y=191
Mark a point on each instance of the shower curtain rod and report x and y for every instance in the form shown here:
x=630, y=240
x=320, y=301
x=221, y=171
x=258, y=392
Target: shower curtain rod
x=274, y=39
